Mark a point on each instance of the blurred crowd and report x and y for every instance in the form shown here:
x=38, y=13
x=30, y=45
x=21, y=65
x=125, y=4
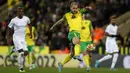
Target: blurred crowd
x=44, y=13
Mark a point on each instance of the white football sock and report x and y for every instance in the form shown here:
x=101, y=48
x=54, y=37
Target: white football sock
x=105, y=58
x=21, y=59
x=82, y=62
x=114, y=60
x=81, y=56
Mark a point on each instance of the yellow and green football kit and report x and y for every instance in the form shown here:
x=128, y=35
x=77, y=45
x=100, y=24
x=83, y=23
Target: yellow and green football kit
x=30, y=43
x=86, y=40
x=75, y=23
x=85, y=35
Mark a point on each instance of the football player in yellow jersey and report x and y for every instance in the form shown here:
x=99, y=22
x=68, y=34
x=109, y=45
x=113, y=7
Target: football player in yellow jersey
x=86, y=41
x=31, y=43
x=74, y=20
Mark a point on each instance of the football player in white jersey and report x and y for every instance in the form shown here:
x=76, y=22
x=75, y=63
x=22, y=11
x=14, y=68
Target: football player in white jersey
x=18, y=24
x=111, y=45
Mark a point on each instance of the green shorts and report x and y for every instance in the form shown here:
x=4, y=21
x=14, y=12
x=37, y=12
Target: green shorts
x=30, y=48
x=73, y=34
x=84, y=45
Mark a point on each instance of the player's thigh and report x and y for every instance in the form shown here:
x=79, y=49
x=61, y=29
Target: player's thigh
x=108, y=47
x=74, y=37
x=17, y=43
x=115, y=47
x=83, y=46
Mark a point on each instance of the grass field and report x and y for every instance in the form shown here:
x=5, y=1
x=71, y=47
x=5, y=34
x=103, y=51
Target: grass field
x=65, y=70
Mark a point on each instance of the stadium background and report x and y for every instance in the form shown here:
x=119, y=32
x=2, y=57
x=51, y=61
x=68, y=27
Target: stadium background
x=53, y=45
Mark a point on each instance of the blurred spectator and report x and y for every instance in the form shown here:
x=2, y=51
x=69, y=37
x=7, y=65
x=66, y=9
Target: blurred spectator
x=98, y=35
x=128, y=40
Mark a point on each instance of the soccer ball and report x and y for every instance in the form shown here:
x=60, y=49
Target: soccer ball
x=90, y=47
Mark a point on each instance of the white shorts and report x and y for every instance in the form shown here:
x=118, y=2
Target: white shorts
x=111, y=46
x=19, y=43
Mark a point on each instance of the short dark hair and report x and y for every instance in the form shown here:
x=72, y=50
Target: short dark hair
x=73, y=3
x=113, y=17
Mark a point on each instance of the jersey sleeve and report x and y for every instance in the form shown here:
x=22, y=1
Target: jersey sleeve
x=90, y=26
x=64, y=17
x=107, y=29
x=11, y=24
x=28, y=20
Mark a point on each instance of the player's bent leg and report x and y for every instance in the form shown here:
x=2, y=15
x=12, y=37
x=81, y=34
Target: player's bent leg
x=77, y=52
x=102, y=59
x=74, y=51
x=66, y=59
x=21, y=60
x=76, y=41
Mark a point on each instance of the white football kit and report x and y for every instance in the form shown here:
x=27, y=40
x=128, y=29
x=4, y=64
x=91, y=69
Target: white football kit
x=111, y=45
x=19, y=26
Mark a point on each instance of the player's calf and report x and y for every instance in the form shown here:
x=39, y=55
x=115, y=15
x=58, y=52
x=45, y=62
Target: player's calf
x=21, y=60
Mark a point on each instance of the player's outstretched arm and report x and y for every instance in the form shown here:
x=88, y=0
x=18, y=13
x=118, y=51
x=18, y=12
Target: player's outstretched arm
x=58, y=22
x=30, y=29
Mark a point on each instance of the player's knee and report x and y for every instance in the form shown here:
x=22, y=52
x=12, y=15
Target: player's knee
x=26, y=53
x=109, y=55
x=75, y=40
x=116, y=55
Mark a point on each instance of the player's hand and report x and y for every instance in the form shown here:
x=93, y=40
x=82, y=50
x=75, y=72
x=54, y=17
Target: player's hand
x=88, y=7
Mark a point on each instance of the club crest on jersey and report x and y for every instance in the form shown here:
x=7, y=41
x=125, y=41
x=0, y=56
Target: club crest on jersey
x=83, y=27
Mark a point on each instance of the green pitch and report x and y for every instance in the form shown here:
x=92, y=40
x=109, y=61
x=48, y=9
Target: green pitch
x=65, y=70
